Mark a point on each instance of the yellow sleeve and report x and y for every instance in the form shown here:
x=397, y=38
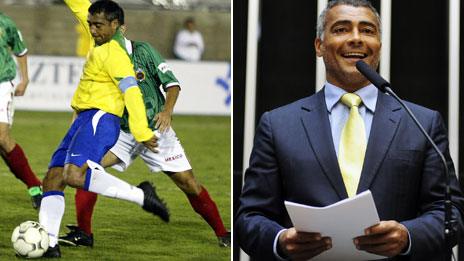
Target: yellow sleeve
x=119, y=67
x=83, y=41
x=80, y=9
x=116, y=62
x=138, y=123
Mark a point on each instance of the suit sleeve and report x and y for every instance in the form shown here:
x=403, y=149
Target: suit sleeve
x=427, y=230
x=261, y=204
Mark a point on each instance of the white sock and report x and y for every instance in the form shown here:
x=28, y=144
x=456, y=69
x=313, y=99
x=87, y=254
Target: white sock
x=51, y=213
x=100, y=182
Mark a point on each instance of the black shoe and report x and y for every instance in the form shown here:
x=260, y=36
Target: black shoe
x=53, y=252
x=76, y=237
x=224, y=241
x=152, y=203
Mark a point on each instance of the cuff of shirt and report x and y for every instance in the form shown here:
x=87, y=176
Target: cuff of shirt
x=409, y=247
x=274, y=248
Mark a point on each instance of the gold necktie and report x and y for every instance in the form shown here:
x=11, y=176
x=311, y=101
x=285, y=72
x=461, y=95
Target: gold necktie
x=352, y=145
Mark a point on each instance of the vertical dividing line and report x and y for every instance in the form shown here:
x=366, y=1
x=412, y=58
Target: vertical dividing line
x=453, y=80
x=250, y=88
x=385, y=14
x=453, y=86
x=320, y=68
x=251, y=75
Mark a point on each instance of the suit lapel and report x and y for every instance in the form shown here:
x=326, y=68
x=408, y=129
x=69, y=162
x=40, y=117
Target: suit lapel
x=385, y=123
x=316, y=123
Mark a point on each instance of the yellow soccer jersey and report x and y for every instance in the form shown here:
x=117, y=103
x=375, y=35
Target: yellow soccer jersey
x=108, y=80
x=104, y=69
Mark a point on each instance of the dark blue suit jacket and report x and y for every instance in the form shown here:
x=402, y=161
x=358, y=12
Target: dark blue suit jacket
x=294, y=159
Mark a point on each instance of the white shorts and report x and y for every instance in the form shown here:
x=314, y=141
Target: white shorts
x=6, y=102
x=170, y=156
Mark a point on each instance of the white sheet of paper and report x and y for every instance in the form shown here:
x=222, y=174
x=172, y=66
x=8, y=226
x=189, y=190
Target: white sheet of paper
x=342, y=221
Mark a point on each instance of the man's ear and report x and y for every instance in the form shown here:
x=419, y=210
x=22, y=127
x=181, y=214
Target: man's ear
x=319, y=47
x=115, y=24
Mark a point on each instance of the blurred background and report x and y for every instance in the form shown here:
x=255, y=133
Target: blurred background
x=49, y=27
x=52, y=36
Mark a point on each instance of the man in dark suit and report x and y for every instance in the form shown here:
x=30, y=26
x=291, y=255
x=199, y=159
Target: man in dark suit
x=303, y=152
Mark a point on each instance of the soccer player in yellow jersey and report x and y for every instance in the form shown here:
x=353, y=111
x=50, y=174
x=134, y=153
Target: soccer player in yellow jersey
x=107, y=85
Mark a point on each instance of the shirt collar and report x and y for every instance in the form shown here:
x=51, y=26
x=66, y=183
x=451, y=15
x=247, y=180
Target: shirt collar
x=333, y=94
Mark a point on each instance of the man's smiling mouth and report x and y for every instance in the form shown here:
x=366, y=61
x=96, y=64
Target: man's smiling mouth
x=355, y=55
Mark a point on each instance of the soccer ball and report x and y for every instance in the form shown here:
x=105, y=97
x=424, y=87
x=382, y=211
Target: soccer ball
x=30, y=239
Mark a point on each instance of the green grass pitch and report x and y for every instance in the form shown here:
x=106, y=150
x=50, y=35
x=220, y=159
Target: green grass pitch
x=122, y=230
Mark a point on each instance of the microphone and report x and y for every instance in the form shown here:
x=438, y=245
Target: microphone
x=372, y=76
x=384, y=86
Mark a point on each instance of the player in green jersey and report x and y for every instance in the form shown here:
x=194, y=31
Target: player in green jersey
x=11, y=42
x=152, y=72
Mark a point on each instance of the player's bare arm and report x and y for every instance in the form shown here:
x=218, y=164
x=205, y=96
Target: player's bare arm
x=164, y=118
x=21, y=87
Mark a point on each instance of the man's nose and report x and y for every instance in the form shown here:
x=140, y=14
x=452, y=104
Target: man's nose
x=93, y=30
x=355, y=37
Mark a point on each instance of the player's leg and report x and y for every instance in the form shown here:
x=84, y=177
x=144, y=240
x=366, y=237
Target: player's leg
x=120, y=157
x=11, y=152
x=110, y=159
x=103, y=129
x=16, y=160
x=81, y=235
x=53, y=203
x=85, y=202
x=91, y=142
x=172, y=160
x=90, y=128
x=202, y=203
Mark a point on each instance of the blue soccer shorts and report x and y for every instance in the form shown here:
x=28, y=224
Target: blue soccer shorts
x=90, y=136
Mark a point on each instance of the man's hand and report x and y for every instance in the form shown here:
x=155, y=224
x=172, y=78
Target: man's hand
x=302, y=245
x=21, y=88
x=388, y=238
x=152, y=143
x=163, y=121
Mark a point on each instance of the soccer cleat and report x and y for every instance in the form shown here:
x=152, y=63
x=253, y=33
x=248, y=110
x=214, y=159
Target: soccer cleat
x=53, y=252
x=76, y=237
x=152, y=203
x=36, y=196
x=224, y=241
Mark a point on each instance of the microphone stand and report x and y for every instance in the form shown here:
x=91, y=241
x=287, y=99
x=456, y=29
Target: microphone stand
x=450, y=223
x=451, y=230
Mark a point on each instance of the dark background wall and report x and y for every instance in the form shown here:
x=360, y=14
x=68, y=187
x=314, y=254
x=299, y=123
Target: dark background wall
x=239, y=67
x=419, y=55
x=286, y=59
